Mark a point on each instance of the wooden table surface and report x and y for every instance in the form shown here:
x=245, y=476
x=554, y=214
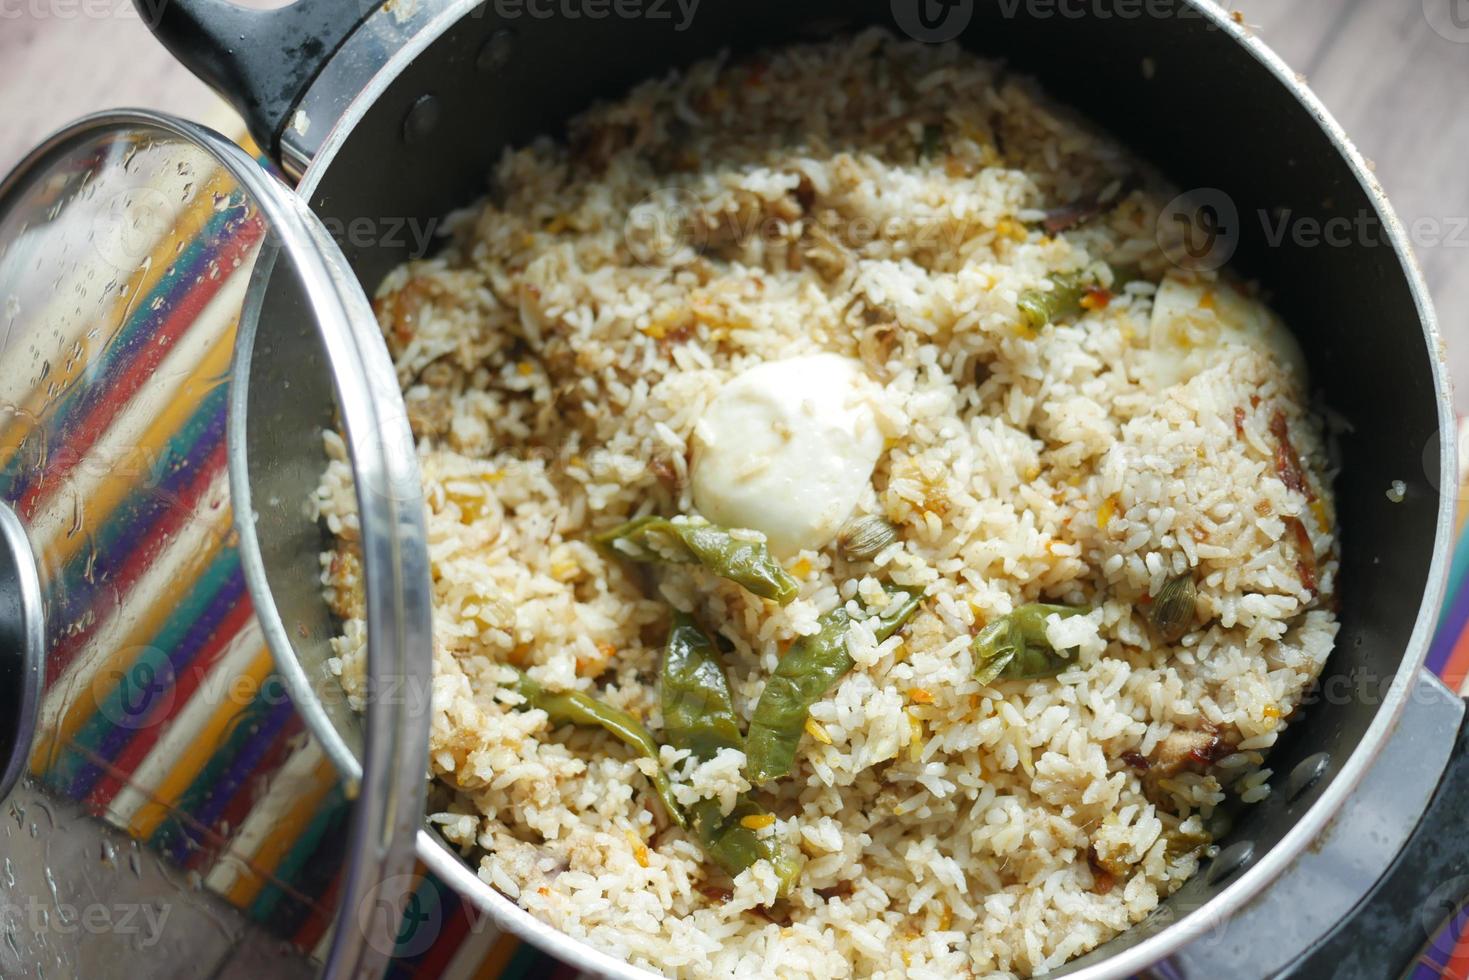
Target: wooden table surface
x=1394, y=72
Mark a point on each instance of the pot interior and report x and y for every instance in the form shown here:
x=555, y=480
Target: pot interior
x=1185, y=95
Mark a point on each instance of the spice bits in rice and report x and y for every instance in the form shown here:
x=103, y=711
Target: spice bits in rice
x=863, y=358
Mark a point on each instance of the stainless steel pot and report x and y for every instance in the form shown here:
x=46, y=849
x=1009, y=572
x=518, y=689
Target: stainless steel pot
x=394, y=115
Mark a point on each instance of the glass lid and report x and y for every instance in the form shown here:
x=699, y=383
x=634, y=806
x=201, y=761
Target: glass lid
x=138, y=699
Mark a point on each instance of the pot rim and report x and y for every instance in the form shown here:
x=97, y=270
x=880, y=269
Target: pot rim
x=455, y=872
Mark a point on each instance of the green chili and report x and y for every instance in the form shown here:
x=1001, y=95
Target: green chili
x=690, y=540
x=1039, y=307
x=579, y=708
x=1015, y=646
x=699, y=715
x=807, y=671
x=698, y=711
x=734, y=847
x=1062, y=301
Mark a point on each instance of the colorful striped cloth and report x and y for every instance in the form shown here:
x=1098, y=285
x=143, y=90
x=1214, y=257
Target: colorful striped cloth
x=163, y=714
x=1447, y=953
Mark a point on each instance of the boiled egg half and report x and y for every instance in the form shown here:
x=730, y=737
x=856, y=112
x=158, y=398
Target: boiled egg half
x=787, y=448
x=1193, y=318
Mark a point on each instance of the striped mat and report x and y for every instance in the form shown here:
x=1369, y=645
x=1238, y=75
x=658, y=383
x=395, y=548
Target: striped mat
x=163, y=714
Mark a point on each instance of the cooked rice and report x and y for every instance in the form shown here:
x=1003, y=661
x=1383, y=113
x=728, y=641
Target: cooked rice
x=555, y=358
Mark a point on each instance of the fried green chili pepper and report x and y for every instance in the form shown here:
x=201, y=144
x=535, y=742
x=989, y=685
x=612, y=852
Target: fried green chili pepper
x=1040, y=307
x=734, y=846
x=1063, y=300
x=579, y=708
x=694, y=540
x=698, y=711
x=699, y=715
x=807, y=671
x=1015, y=646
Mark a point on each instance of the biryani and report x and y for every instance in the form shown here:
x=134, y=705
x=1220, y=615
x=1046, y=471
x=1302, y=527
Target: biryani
x=857, y=549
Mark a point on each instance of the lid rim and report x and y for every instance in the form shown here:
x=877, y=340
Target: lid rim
x=21, y=595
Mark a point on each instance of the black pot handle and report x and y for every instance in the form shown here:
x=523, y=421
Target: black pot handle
x=260, y=61
x=1387, y=931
